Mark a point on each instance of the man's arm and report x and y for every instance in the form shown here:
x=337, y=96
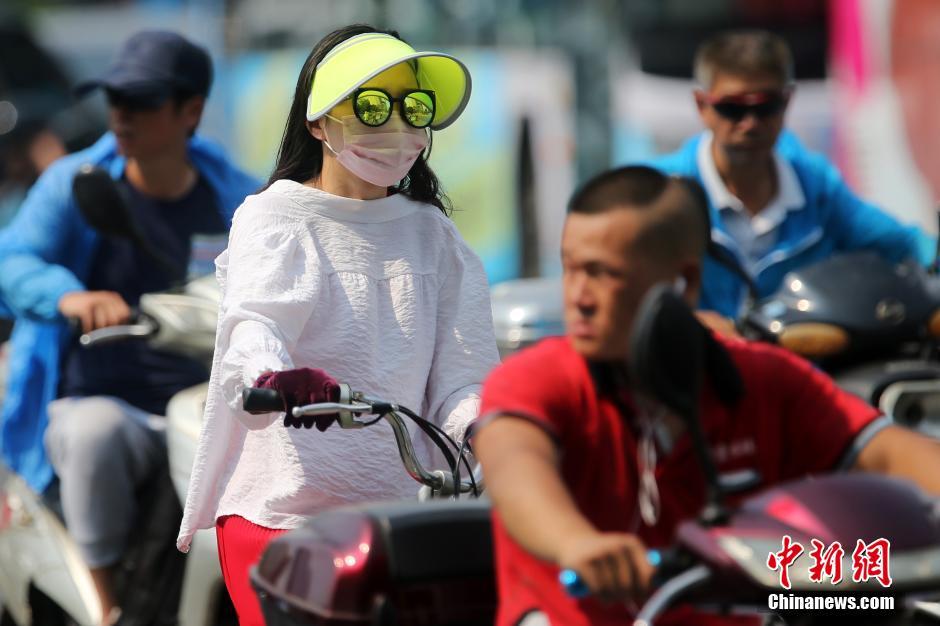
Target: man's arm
x=464, y=346
x=520, y=463
x=903, y=453
x=858, y=225
x=32, y=281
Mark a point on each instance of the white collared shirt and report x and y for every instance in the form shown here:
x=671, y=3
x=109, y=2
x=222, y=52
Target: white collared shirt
x=754, y=235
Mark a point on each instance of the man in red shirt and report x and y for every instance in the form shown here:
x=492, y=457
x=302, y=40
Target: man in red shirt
x=558, y=433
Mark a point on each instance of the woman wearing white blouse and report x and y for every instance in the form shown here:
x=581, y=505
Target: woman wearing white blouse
x=345, y=262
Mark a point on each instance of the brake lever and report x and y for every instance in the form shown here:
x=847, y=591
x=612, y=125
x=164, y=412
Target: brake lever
x=346, y=408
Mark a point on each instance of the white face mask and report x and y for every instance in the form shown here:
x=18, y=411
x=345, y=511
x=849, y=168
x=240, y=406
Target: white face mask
x=381, y=155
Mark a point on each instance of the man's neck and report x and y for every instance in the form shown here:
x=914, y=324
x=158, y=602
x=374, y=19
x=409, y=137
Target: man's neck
x=166, y=177
x=753, y=181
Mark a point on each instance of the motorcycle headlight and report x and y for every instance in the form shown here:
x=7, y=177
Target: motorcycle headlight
x=814, y=340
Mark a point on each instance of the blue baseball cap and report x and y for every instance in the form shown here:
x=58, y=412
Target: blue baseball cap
x=153, y=65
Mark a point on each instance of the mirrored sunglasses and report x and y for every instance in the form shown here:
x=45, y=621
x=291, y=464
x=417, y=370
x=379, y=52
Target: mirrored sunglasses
x=374, y=106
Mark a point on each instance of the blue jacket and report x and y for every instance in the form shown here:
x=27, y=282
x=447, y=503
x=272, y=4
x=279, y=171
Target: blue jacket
x=833, y=220
x=46, y=252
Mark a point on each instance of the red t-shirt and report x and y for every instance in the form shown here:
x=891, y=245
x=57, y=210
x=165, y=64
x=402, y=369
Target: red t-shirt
x=791, y=421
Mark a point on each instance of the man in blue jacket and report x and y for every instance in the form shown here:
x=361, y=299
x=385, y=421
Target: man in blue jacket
x=775, y=206
x=103, y=405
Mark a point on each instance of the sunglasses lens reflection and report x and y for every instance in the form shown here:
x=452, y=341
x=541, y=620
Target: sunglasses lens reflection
x=373, y=108
x=418, y=108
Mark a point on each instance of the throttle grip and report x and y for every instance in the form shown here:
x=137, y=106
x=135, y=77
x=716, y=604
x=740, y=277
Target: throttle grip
x=256, y=400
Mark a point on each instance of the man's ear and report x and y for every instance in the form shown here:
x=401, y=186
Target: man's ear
x=700, y=103
x=192, y=110
x=692, y=275
x=315, y=128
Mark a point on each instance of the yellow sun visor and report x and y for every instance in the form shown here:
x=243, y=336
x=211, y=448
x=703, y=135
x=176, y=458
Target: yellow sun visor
x=353, y=62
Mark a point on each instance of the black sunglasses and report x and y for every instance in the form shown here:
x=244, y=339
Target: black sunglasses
x=737, y=111
x=133, y=102
x=374, y=106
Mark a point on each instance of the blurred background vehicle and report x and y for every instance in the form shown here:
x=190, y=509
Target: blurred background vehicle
x=39, y=119
x=43, y=579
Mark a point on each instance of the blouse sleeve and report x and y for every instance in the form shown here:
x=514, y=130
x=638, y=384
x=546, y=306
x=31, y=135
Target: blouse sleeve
x=269, y=282
x=465, y=346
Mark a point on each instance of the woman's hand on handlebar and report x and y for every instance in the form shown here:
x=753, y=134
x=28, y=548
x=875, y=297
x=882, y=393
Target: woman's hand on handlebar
x=299, y=387
x=614, y=566
x=95, y=309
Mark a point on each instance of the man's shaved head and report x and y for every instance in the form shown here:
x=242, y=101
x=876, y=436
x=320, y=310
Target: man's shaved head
x=627, y=229
x=675, y=210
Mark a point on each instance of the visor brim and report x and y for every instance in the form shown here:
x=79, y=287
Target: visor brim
x=443, y=74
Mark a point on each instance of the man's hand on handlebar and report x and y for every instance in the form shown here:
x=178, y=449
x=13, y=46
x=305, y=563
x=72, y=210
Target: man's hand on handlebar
x=95, y=309
x=300, y=387
x=614, y=566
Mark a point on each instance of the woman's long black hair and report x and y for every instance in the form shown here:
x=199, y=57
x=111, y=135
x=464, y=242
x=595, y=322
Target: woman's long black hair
x=300, y=156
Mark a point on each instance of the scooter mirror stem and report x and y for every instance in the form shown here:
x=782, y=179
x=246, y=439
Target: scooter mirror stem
x=935, y=266
x=664, y=325
x=714, y=512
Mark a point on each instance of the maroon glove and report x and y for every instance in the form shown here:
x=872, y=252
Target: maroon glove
x=299, y=387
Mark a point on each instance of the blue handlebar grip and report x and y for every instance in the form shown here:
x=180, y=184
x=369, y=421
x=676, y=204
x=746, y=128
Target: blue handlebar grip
x=575, y=587
x=573, y=584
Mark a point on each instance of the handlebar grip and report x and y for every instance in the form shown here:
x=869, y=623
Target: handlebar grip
x=256, y=400
x=575, y=586
x=573, y=583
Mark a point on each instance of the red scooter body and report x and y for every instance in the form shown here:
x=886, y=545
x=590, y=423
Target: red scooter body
x=410, y=564
x=840, y=508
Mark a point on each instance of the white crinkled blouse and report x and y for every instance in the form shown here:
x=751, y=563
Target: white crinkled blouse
x=382, y=294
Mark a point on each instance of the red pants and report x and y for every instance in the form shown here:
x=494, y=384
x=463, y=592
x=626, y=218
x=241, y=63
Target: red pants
x=240, y=546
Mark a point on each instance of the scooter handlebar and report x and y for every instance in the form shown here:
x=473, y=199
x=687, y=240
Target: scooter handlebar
x=575, y=586
x=141, y=327
x=256, y=400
